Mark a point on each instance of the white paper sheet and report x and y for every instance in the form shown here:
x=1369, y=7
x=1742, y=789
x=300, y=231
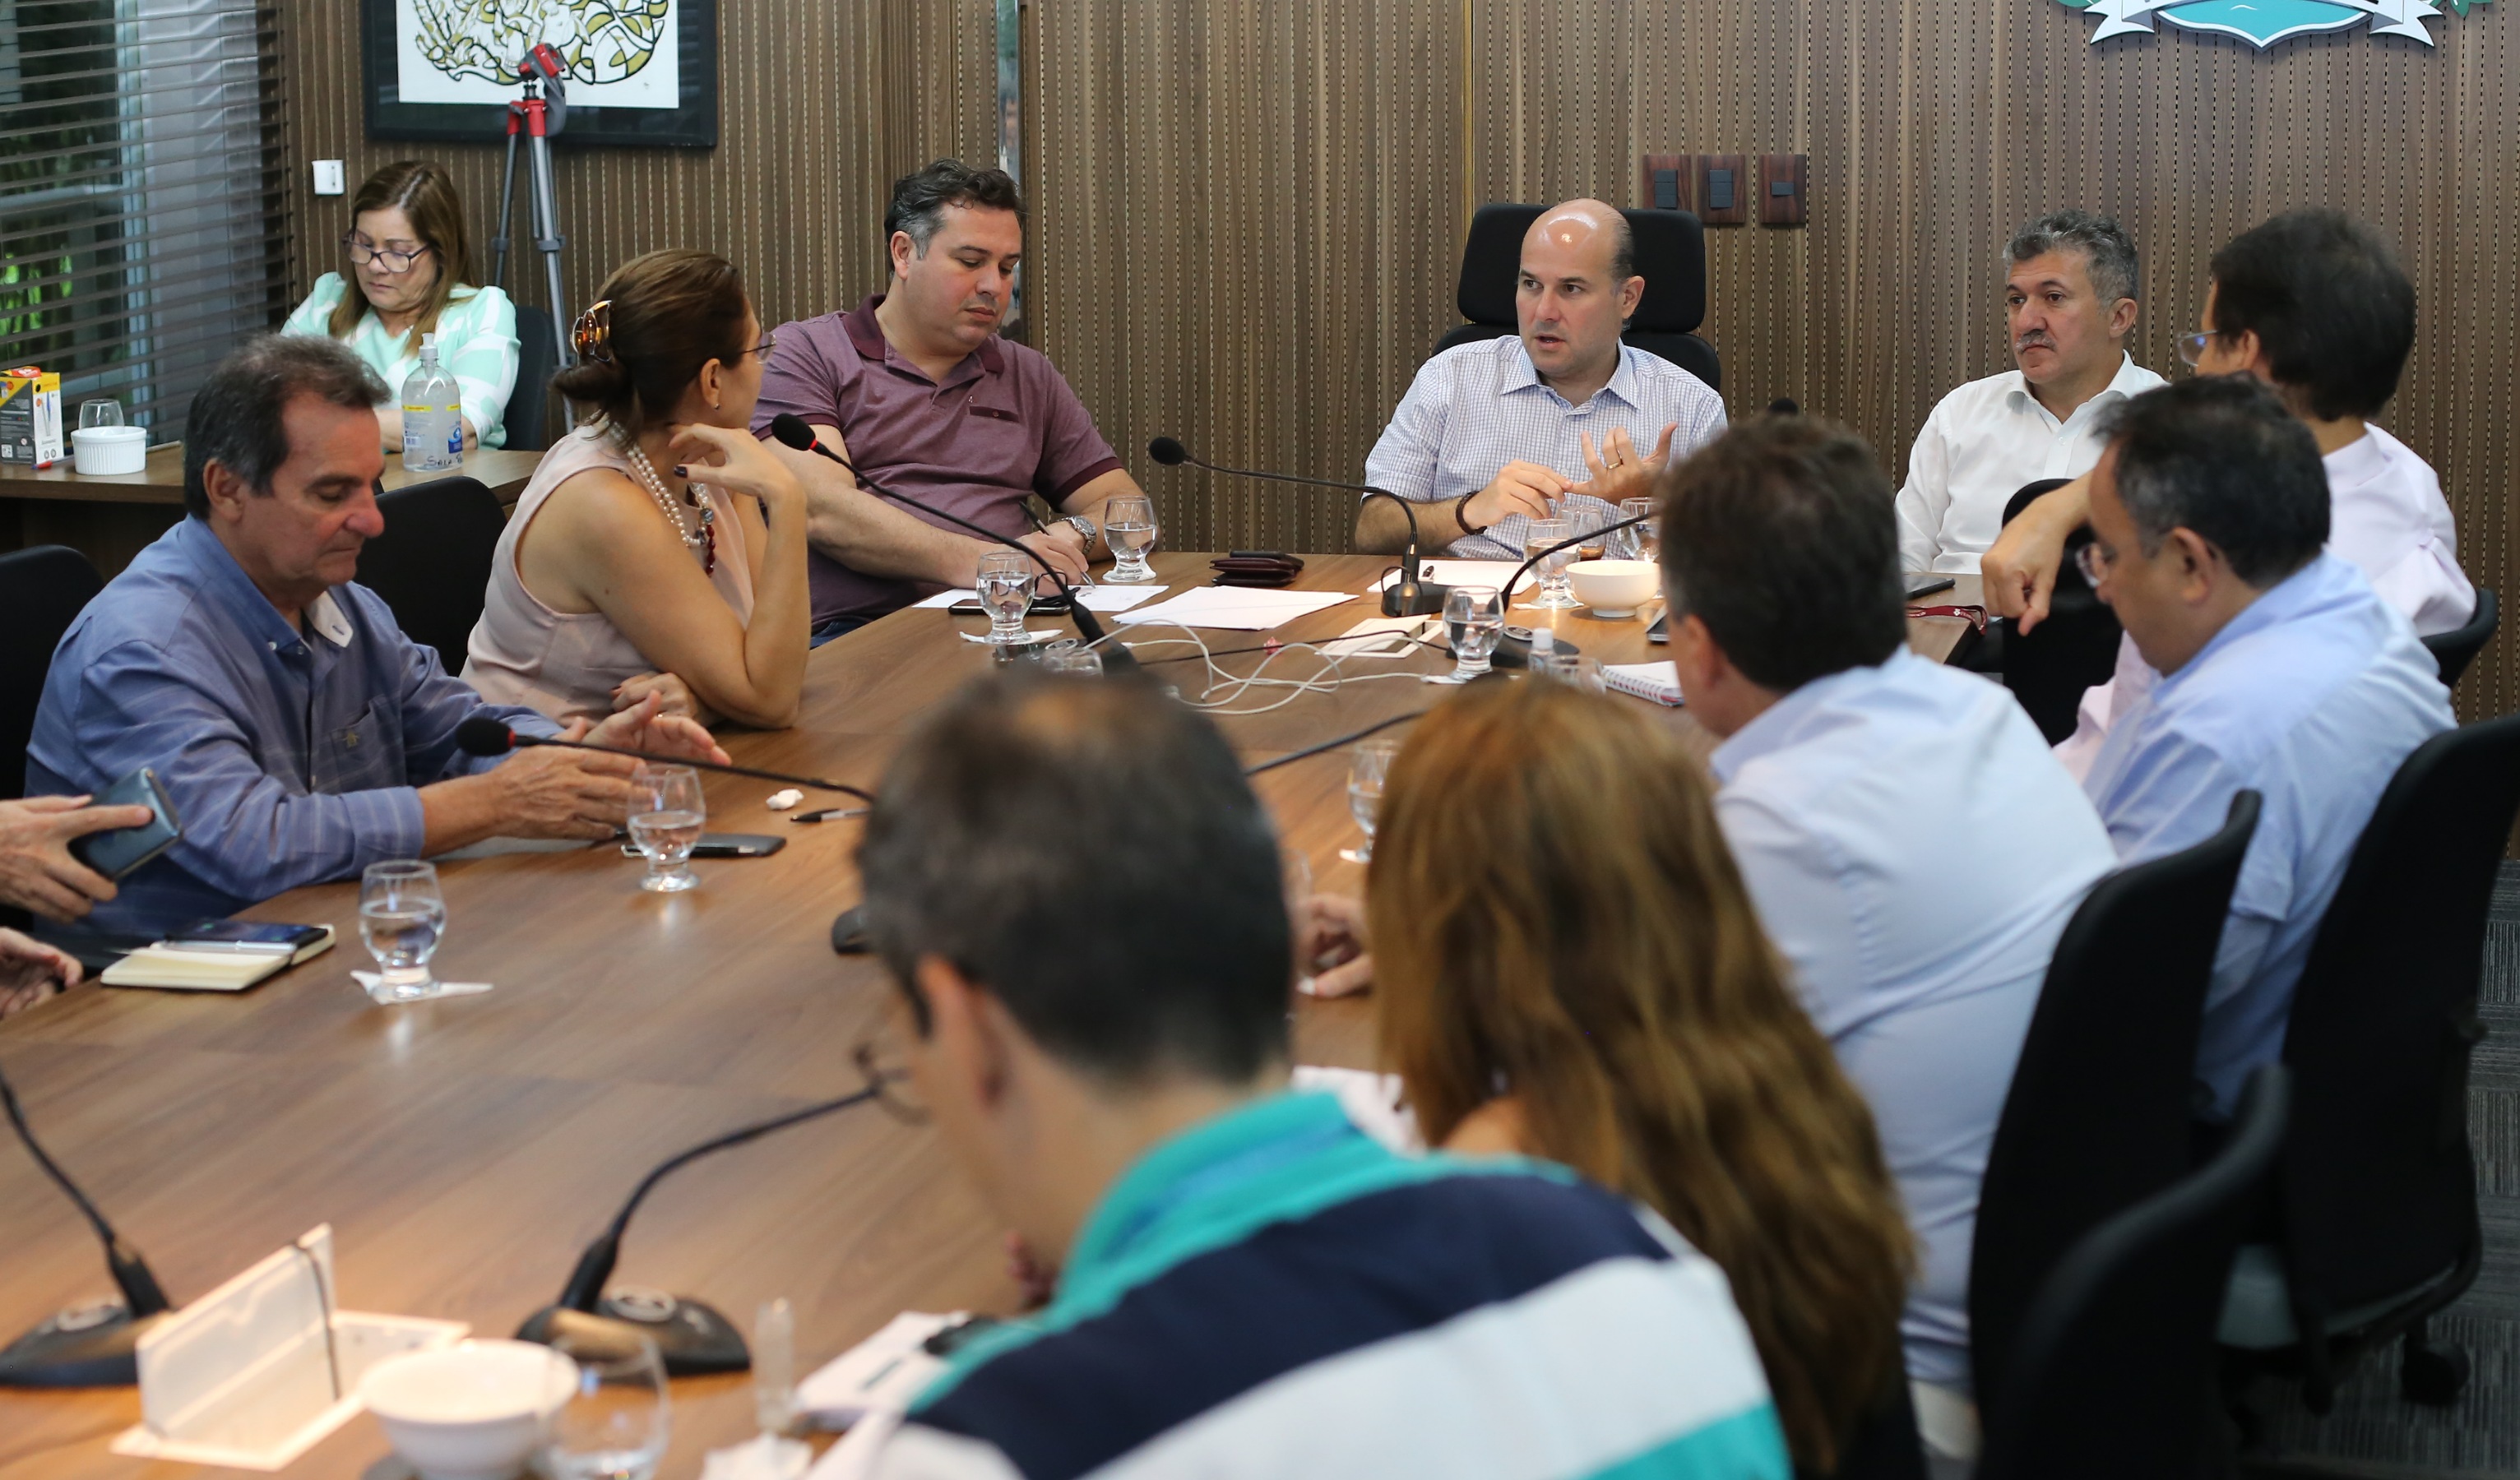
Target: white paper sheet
x=878, y=1376
x=1237, y=609
x=1380, y=636
x=1658, y=682
x=1488, y=573
x=1095, y=598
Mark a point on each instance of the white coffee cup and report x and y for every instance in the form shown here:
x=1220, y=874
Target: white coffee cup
x=96, y=450
x=475, y=1411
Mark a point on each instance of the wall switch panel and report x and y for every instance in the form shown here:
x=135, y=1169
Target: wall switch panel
x=1782, y=189
x=1668, y=183
x=1722, y=189
x=329, y=179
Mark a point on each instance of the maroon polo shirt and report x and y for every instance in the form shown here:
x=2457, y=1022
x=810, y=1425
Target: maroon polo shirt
x=1002, y=424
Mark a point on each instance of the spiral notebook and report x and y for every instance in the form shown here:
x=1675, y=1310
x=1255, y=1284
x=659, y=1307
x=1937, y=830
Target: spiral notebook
x=1658, y=682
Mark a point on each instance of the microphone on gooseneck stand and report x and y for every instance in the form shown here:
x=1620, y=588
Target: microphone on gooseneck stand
x=1515, y=649
x=482, y=734
x=1408, y=596
x=88, y=1345
x=793, y=431
x=691, y=1337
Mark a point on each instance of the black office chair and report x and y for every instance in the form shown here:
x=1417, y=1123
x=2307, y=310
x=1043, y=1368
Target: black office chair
x=2074, y=648
x=2099, y=1116
x=2454, y=651
x=1671, y=257
x=537, y=361
x=1884, y=1447
x=2378, y=1217
x=42, y=592
x=433, y=564
x=2113, y=1374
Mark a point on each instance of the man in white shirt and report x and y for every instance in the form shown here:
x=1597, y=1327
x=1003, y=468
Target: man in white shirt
x=2069, y=307
x=1559, y=418
x=1912, y=846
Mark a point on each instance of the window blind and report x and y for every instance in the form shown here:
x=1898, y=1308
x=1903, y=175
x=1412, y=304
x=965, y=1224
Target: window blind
x=143, y=201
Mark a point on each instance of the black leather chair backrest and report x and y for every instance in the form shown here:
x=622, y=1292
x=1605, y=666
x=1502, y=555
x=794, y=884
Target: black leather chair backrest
x=42, y=592
x=2097, y=1118
x=2378, y=1182
x=2454, y=651
x=2113, y=1374
x=433, y=564
x=2076, y=648
x=1884, y=1445
x=1671, y=257
x=537, y=361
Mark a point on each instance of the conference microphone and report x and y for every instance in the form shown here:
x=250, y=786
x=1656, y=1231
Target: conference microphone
x=793, y=431
x=691, y=1336
x=88, y=1345
x=480, y=734
x=1515, y=649
x=1408, y=596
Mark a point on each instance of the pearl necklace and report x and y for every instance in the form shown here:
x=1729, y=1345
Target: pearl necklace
x=701, y=541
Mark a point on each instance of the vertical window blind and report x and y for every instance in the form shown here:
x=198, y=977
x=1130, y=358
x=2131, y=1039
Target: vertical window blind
x=143, y=203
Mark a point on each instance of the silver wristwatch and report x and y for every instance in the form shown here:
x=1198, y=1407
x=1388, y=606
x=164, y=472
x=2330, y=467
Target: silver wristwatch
x=1082, y=525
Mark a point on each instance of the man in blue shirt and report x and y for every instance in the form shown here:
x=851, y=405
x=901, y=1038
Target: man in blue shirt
x=298, y=733
x=1079, y=898
x=1912, y=846
x=2281, y=672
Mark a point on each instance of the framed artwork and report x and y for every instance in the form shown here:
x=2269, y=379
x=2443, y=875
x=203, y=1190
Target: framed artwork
x=640, y=71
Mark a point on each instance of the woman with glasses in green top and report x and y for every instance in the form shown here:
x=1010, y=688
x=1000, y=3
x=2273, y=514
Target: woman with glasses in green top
x=405, y=264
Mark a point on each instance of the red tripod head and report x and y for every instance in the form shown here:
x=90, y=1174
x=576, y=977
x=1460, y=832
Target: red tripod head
x=543, y=108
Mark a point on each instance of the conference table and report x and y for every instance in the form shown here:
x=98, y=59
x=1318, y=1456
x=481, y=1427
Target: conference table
x=464, y=1149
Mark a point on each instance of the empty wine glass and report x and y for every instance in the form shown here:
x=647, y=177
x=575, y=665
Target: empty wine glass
x=1005, y=588
x=402, y=918
x=1129, y=527
x=1554, y=593
x=1474, y=623
x=666, y=815
x=1369, y=766
x=103, y=412
x=619, y=1416
x=1637, y=542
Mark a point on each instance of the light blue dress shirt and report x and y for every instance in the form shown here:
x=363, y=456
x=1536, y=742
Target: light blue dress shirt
x=1914, y=851
x=290, y=757
x=1476, y=407
x=2312, y=696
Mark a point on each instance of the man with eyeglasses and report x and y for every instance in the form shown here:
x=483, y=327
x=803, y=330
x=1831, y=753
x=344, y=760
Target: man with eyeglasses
x=2281, y=672
x=2314, y=305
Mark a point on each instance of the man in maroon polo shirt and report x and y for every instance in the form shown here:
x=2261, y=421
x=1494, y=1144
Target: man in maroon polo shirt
x=914, y=387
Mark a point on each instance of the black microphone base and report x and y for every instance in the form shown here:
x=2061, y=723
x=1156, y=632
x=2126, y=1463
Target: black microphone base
x=693, y=1338
x=1418, y=599
x=1514, y=651
x=87, y=1346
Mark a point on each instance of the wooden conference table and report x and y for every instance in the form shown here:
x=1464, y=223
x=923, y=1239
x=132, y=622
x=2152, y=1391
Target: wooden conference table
x=112, y=517
x=463, y=1151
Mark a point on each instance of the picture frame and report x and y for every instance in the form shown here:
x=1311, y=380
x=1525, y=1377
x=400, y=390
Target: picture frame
x=692, y=123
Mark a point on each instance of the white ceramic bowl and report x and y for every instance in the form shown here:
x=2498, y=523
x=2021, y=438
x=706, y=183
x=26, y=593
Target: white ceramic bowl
x=1614, y=588
x=473, y=1411
x=99, y=450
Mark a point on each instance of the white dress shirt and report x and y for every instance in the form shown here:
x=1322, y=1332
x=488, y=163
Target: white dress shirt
x=1914, y=852
x=1982, y=443
x=2387, y=518
x=1476, y=407
x=2313, y=695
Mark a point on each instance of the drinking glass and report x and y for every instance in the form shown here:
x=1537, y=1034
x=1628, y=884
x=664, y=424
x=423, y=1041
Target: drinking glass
x=107, y=412
x=666, y=815
x=1069, y=656
x=1369, y=766
x=1556, y=594
x=619, y=1416
x=1129, y=527
x=1570, y=668
x=402, y=917
x=1005, y=589
x=1637, y=542
x=1474, y=623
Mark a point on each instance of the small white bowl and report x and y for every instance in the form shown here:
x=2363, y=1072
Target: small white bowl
x=97, y=451
x=473, y=1411
x=1615, y=588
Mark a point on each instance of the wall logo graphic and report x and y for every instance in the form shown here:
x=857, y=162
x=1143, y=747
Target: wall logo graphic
x=2267, y=21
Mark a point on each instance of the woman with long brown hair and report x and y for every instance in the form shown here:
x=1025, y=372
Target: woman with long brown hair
x=406, y=271
x=1568, y=967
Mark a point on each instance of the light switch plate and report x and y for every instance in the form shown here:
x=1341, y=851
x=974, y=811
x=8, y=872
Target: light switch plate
x=329, y=179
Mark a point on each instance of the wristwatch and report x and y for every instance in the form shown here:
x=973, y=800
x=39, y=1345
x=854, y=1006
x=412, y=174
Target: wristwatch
x=1082, y=525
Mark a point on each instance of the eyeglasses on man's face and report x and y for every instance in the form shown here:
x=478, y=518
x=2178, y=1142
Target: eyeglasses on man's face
x=2093, y=562
x=2191, y=346
x=363, y=251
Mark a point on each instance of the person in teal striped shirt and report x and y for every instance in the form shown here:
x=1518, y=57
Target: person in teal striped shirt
x=406, y=264
x=1079, y=899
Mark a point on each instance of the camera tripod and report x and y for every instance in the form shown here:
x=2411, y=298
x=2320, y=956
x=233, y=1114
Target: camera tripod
x=537, y=116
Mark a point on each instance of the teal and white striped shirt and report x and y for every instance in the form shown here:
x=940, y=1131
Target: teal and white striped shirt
x=476, y=341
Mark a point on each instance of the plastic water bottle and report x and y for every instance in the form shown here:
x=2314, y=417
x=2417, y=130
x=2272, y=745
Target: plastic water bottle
x=433, y=415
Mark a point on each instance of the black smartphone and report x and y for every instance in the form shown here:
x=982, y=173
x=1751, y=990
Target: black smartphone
x=245, y=935
x=1041, y=606
x=117, y=853
x=1658, y=632
x=1927, y=585
x=725, y=845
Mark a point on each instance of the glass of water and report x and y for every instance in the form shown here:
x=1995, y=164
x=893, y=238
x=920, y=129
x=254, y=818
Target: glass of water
x=1554, y=593
x=1129, y=527
x=1369, y=766
x=1005, y=588
x=1474, y=623
x=666, y=815
x=618, y=1415
x=401, y=917
x=1637, y=542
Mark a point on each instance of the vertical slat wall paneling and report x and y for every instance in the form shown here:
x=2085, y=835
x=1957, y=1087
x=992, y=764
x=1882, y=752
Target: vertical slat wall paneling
x=821, y=108
x=1935, y=126
x=1250, y=222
